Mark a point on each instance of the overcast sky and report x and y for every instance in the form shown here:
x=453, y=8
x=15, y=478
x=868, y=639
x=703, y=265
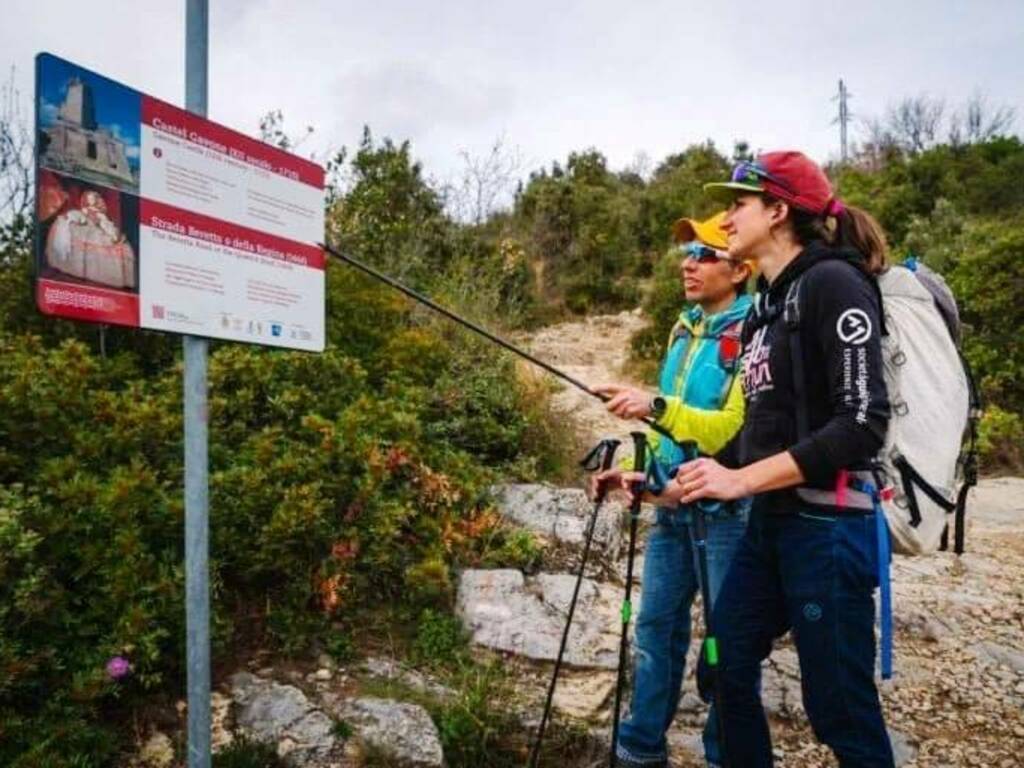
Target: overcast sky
x=650, y=76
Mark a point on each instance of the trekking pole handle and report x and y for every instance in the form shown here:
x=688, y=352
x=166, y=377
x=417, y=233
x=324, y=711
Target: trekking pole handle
x=606, y=463
x=639, y=458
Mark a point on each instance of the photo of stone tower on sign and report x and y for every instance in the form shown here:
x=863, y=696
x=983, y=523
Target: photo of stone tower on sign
x=86, y=131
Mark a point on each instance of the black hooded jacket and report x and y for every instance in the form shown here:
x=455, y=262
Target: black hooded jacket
x=840, y=338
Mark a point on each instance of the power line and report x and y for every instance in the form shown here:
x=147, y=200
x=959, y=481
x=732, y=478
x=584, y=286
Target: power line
x=843, y=119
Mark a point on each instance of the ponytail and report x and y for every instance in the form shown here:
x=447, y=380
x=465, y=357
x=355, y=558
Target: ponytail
x=858, y=229
x=842, y=226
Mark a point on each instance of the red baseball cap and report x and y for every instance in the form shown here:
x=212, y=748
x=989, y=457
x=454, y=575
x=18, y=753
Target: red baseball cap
x=787, y=175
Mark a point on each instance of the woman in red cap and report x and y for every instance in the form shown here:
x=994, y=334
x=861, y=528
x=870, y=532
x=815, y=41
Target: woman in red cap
x=816, y=413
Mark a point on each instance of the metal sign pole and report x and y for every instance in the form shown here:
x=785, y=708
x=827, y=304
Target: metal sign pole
x=197, y=587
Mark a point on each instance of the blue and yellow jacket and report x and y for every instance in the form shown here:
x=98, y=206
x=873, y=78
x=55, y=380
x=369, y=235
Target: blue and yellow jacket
x=699, y=381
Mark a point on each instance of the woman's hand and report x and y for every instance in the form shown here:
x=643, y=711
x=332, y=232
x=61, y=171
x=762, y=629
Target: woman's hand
x=623, y=480
x=707, y=479
x=626, y=402
x=611, y=479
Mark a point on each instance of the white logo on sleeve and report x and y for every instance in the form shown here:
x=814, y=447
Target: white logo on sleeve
x=854, y=326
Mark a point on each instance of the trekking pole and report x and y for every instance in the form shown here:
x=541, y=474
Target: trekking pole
x=428, y=302
x=600, y=459
x=700, y=541
x=639, y=465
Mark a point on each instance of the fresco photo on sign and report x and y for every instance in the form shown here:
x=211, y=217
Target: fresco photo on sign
x=87, y=126
x=89, y=234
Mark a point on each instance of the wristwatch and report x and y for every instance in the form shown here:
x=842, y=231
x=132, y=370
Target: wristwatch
x=658, y=406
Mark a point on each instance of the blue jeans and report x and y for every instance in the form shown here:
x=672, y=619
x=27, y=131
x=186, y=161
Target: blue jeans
x=670, y=583
x=815, y=574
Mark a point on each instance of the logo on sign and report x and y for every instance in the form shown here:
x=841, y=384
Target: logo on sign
x=854, y=327
x=158, y=311
x=275, y=329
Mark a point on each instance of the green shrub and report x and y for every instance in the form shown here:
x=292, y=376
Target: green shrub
x=331, y=478
x=517, y=548
x=1001, y=440
x=247, y=753
x=474, y=727
x=440, y=639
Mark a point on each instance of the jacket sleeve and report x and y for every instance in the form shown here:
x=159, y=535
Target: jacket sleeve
x=842, y=326
x=710, y=428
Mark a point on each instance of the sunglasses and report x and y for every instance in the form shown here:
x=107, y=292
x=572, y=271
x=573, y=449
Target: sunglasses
x=754, y=173
x=703, y=254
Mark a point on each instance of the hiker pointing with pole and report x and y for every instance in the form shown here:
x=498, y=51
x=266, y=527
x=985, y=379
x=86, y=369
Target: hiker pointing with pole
x=817, y=410
x=699, y=401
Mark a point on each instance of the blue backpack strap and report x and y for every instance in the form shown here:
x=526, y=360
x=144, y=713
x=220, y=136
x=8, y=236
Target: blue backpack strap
x=884, y=575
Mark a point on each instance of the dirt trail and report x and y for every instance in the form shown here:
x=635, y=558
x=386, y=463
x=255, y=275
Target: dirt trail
x=594, y=350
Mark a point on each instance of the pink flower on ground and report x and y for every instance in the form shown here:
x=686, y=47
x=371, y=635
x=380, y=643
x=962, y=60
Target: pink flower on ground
x=118, y=667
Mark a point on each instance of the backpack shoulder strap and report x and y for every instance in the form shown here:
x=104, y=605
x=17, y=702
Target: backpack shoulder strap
x=969, y=463
x=791, y=318
x=730, y=347
x=791, y=311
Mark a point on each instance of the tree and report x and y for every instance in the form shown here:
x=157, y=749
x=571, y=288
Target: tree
x=272, y=132
x=486, y=183
x=977, y=121
x=915, y=121
x=16, y=188
x=390, y=215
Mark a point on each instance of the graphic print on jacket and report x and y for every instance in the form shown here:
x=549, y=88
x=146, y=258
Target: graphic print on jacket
x=757, y=372
x=840, y=338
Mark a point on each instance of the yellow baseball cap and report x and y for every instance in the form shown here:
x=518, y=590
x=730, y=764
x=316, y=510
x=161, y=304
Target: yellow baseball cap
x=709, y=231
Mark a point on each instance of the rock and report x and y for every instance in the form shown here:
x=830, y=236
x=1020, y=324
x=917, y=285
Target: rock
x=404, y=731
x=688, y=742
x=903, y=751
x=691, y=702
x=269, y=711
x=312, y=735
x=781, y=694
x=268, y=708
x=220, y=716
x=390, y=669
x=997, y=504
x=506, y=612
x=919, y=622
x=323, y=675
x=157, y=752
x=584, y=694
x=993, y=653
x=561, y=514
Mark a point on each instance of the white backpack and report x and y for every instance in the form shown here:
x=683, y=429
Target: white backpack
x=933, y=401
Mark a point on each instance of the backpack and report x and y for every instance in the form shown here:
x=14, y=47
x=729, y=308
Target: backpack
x=730, y=348
x=933, y=402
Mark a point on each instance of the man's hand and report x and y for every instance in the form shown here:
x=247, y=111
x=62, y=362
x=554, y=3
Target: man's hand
x=626, y=402
x=707, y=479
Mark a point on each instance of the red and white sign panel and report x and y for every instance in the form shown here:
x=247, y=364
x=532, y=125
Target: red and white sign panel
x=150, y=216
